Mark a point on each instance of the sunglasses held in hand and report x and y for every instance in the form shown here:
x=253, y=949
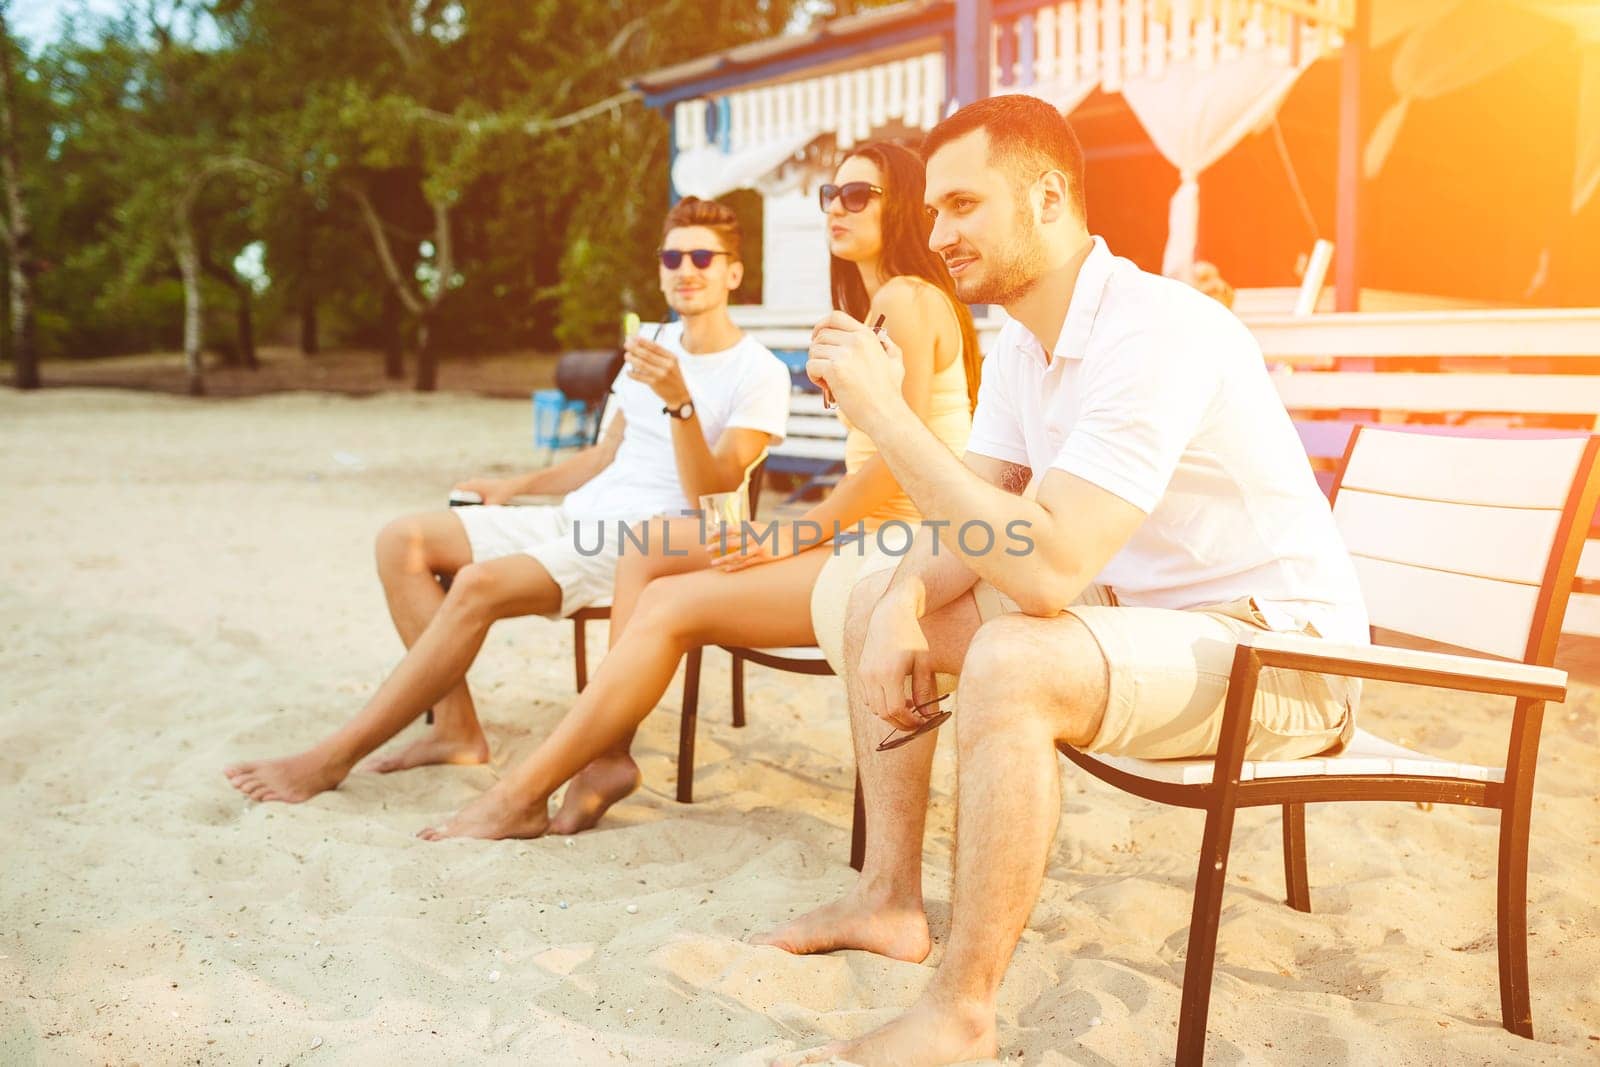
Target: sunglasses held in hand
x=853, y=195
x=672, y=258
x=932, y=722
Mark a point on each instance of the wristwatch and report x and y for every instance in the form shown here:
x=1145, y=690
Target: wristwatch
x=682, y=411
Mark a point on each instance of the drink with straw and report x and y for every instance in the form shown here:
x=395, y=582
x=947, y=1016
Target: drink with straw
x=828, y=403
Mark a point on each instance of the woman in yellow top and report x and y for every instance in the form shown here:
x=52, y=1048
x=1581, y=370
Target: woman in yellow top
x=757, y=595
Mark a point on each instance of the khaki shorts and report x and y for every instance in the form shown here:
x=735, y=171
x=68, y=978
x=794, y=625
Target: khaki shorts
x=544, y=531
x=1168, y=679
x=1168, y=671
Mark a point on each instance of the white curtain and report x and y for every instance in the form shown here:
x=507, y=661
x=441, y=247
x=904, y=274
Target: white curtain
x=1465, y=44
x=1391, y=18
x=1584, y=17
x=1586, y=172
x=1195, y=116
x=708, y=172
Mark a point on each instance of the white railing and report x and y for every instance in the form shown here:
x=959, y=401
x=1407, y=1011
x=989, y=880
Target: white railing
x=1066, y=49
x=1495, y=367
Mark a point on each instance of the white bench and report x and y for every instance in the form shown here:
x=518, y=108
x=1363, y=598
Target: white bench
x=1497, y=368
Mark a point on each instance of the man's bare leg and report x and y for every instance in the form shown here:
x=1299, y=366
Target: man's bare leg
x=613, y=775
x=1027, y=683
x=883, y=912
x=674, y=614
x=411, y=552
x=435, y=664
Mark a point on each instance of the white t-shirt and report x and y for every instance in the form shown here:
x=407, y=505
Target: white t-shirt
x=744, y=387
x=1158, y=394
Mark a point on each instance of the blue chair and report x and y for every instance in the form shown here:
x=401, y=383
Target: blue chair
x=561, y=422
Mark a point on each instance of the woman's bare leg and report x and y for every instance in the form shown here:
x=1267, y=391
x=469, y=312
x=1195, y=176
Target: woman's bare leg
x=764, y=605
x=613, y=774
x=638, y=569
x=435, y=665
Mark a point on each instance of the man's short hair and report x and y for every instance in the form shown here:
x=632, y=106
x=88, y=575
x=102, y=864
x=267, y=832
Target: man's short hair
x=718, y=218
x=1026, y=137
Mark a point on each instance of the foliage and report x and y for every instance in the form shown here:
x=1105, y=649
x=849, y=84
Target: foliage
x=516, y=187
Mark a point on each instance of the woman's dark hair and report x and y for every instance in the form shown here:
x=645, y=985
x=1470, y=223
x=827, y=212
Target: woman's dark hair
x=906, y=227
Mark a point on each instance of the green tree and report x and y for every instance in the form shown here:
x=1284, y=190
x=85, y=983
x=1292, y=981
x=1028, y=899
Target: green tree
x=20, y=262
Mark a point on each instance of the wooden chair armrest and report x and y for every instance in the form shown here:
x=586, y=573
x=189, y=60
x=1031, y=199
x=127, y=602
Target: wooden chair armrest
x=1410, y=666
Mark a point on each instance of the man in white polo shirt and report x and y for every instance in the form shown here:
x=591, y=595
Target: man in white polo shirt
x=695, y=409
x=1133, y=501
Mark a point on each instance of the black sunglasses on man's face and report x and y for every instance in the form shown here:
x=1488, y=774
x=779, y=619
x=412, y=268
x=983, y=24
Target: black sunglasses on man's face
x=853, y=195
x=672, y=258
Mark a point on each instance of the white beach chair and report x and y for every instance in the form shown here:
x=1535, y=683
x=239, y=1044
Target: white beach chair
x=1467, y=541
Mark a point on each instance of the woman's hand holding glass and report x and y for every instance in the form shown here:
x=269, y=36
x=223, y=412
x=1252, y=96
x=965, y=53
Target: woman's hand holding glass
x=760, y=546
x=722, y=518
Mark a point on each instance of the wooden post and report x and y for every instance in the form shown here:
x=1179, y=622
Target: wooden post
x=974, y=32
x=1347, y=265
x=672, y=157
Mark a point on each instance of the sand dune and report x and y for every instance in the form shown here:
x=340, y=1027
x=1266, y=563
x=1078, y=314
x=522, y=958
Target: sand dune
x=185, y=583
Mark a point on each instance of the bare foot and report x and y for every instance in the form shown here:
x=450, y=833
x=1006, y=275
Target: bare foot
x=897, y=931
x=598, y=786
x=930, y=1033
x=493, y=817
x=433, y=748
x=290, y=779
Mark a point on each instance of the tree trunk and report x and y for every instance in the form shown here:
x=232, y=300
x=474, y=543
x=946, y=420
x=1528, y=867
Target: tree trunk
x=244, y=352
x=193, y=304
x=427, y=358
x=309, y=345
x=244, y=316
x=19, y=233
x=394, y=337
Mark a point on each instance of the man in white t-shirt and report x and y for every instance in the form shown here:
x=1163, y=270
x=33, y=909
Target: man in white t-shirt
x=695, y=409
x=1134, y=501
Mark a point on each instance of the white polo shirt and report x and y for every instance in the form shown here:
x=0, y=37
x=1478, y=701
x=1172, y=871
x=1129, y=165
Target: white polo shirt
x=743, y=387
x=1158, y=394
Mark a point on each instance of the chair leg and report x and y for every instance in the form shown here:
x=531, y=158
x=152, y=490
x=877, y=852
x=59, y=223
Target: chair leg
x=1294, y=857
x=580, y=652
x=738, y=690
x=686, y=726
x=1511, y=904
x=1202, y=954
x=444, y=581
x=858, y=829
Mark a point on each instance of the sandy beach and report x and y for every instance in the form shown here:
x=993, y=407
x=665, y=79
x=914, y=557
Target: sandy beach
x=189, y=582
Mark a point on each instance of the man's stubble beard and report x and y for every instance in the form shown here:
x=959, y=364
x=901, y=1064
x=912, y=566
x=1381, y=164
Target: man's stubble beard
x=1014, y=276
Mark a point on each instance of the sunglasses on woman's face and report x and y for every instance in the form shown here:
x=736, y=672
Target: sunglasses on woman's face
x=853, y=195
x=672, y=258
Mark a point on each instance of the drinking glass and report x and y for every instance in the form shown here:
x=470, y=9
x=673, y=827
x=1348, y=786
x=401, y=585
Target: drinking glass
x=723, y=515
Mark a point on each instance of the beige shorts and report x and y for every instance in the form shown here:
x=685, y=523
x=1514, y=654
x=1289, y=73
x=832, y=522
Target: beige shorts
x=1168, y=671
x=852, y=563
x=545, y=532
